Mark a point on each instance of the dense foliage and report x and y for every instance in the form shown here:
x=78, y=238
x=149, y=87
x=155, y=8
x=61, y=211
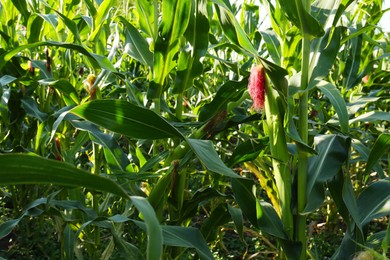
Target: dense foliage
x=127, y=131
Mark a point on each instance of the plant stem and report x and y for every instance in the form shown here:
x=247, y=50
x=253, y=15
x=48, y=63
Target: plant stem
x=157, y=110
x=280, y=156
x=303, y=132
x=179, y=106
x=95, y=197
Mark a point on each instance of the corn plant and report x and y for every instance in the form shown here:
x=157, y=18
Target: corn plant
x=142, y=129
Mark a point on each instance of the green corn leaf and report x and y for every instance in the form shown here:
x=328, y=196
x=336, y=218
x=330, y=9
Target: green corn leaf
x=64, y=87
x=270, y=222
x=115, y=156
x=72, y=26
x=343, y=5
x=273, y=45
x=353, y=60
x=100, y=18
x=188, y=237
x=136, y=45
x=28, y=169
x=332, y=153
x=125, y=118
x=374, y=201
x=31, y=108
x=243, y=190
x=147, y=24
x=364, y=152
x=338, y=103
x=229, y=92
x=238, y=219
x=22, y=8
x=233, y=29
x=126, y=250
x=34, y=27
x=324, y=51
x=153, y=228
x=381, y=146
x=206, y=153
x=359, y=103
x=91, y=7
x=7, y=226
x=370, y=117
x=167, y=44
x=7, y=79
x=69, y=239
x=278, y=77
x=247, y=151
x=189, y=66
x=297, y=14
x=97, y=60
x=190, y=206
x=217, y=218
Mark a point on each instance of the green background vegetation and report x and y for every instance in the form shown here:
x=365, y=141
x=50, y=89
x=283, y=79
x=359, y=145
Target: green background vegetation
x=127, y=131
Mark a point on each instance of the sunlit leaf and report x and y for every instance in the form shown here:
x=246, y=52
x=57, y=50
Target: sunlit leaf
x=374, y=201
x=371, y=116
x=297, y=14
x=126, y=118
x=97, y=60
x=381, y=146
x=338, y=103
x=206, y=153
x=28, y=169
x=136, y=45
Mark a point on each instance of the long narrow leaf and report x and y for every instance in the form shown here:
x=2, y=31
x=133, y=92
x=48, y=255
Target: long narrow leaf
x=153, y=228
x=28, y=169
x=208, y=156
x=332, y=153
x=338, y=103
x=381, y=146
x=97, y=60
x=125, y=118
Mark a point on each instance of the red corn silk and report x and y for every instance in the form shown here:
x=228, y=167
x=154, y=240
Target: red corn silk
x=256, y=87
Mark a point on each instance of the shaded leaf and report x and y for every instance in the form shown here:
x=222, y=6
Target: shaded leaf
x=381, y=146
x=238, y=220
x=243, y=190
x=364, y=152
x=153, y=228
x=374, y=201
x=270, y=222
x=115, y=156
x=273, y=45
x=228, y=92
x=218, y=217
x=247, y=151
x=69, y=242
x=332, y=153
x=31, y=108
